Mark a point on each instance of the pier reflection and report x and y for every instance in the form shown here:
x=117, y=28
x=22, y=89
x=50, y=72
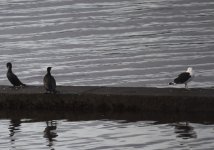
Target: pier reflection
x=41, y=130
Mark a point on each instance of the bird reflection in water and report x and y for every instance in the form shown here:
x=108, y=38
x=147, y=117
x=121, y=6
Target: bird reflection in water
x=184, y=130
x=50, y=132
x=14, y=127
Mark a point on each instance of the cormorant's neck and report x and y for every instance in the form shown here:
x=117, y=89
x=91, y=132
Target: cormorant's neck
x=9, y=69
x=49, y=73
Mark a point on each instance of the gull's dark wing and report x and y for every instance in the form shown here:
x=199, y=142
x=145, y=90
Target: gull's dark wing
x=182, y=78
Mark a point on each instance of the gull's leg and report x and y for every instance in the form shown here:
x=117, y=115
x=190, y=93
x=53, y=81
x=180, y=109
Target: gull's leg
x=186, y=86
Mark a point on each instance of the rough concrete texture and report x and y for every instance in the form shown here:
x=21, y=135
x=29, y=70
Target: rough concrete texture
x=108, y=99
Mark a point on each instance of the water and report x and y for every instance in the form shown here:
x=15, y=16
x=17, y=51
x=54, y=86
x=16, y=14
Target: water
x=108, y=42
x=63, y=131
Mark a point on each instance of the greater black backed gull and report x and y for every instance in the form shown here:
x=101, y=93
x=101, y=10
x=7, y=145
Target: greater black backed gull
x=184, y=77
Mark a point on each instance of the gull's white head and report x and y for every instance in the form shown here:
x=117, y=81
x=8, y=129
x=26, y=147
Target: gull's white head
x=190, y=70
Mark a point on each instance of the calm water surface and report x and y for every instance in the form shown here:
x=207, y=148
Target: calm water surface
x=108, y=42
x=88, y=132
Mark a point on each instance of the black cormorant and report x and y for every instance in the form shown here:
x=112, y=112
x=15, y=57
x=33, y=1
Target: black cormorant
x=49, y=82
x=14, y=80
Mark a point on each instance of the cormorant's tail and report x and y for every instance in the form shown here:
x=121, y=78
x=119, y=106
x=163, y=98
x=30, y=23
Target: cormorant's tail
x=172, y=83
x=23, y=85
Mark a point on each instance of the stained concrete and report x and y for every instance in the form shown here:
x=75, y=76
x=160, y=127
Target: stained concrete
x=108, y=99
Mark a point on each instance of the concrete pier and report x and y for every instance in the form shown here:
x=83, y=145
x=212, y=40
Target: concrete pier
x=108, y=99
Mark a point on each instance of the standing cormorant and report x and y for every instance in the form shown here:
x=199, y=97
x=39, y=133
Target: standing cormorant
x=49, y=82
x=184, y=77
x=14, y=80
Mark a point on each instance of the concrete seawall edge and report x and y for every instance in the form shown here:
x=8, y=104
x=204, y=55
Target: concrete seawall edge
x=108, y=99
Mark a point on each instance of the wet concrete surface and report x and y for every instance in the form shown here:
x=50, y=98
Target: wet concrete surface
x=108, y=99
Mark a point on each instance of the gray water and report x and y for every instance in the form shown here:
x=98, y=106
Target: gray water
x=108, y=42
x=54, y=131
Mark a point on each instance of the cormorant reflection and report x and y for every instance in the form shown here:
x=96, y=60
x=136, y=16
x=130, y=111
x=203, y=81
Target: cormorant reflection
x=50, y=132
x=14, y=127
x=184, y=130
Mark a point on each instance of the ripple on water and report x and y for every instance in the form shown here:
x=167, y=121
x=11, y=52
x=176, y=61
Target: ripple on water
x=112, y=43
x=104, y=134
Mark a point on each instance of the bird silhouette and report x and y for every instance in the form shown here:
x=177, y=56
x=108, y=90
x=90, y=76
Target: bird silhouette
x=49, y=82
x=14, y=80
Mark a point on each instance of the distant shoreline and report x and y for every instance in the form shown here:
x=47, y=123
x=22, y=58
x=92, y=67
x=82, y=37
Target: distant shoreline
x=108, y=99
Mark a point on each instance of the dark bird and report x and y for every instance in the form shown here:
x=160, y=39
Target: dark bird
x=184, y=77
x=14, y=80
x=49, y=82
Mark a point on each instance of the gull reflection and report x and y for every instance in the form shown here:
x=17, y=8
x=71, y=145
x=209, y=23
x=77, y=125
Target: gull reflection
x=184, y=130
x=50, y=132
